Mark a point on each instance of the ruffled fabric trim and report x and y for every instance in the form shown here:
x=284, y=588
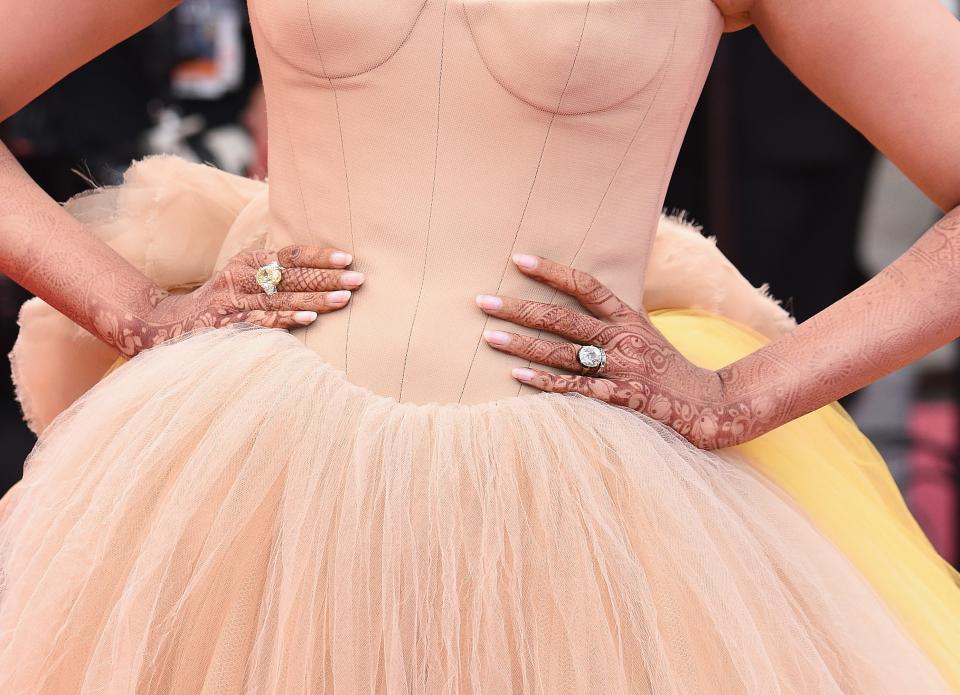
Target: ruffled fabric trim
x=177, y=222
x=229, y=514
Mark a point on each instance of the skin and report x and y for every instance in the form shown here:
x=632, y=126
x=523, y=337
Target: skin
x=255, y=120
x=874, y=63
x=48, y=252
x=909, y=309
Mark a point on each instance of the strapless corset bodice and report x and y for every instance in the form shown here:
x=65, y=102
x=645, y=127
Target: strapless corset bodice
x=432, y=139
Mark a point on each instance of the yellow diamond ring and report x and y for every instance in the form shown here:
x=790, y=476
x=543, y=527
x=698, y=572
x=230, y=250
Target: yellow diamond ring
x=269, y=277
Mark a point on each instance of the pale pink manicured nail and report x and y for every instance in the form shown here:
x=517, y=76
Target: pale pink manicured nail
x=338, y=297
x=352, y=278
x=498, y=338
x=487, y=301
x=341, y=258
x=526, y=262
x=305, y=317
x=522, y=374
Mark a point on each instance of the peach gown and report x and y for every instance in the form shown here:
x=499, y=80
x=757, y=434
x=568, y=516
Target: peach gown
x=372, y=504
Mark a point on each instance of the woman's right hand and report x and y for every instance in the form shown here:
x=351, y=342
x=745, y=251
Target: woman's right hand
x=314, y=281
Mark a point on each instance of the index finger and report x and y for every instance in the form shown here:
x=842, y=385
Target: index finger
x=595, y=297
x=304, y=256
x=600, y=389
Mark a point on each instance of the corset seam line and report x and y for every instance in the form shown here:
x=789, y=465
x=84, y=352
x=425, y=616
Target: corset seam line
x=383, y=61
x=512, y=91
x=526, y=204
x=299, y=180
x=626, y=153
x=346, y=178
x=433, y=190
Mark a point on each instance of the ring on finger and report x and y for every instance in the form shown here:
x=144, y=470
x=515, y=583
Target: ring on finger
x=592, y=358
x=269, y=277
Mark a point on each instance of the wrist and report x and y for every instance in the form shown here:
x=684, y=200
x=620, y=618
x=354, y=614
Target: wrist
x=749, y=407
x=709, y=410
x=136, y=324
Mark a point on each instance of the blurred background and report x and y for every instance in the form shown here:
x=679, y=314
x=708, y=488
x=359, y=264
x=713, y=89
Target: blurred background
x=795, y=197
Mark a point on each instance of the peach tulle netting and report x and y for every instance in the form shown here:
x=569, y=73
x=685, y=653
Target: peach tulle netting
x=228, y=514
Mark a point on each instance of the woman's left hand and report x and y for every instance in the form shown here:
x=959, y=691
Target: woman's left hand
x=643, y=371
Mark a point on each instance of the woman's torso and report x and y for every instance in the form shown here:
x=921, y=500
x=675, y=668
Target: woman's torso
x=432, y=139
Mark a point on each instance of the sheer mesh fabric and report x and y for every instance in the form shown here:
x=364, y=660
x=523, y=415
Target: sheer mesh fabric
x=431, y=139
x=367, y=506
x=244, y=519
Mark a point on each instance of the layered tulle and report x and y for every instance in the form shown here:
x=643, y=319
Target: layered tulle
x=177, y=222
x=228, y=514
x=837, y=476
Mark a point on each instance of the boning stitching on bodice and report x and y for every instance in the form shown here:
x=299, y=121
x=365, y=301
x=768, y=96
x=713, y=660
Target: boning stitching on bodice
x=526, y=204
x=433, y=190
x=557, y=110
x=324, y=75
x=613, y=177
x=346, y=176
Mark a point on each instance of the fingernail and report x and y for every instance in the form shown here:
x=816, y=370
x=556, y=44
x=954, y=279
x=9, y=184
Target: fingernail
x=341, y=258
x=338, y=297
x=526, y=262
x=486, y=301
x=498, y=338
x=305, y=317
x=522, y=374
x=352, y=278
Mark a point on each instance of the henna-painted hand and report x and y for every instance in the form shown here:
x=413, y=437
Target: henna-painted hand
x=643, y=371
x=314, y=282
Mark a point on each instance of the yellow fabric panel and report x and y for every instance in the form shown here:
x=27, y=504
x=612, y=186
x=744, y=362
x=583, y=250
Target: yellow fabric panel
x=837, y=476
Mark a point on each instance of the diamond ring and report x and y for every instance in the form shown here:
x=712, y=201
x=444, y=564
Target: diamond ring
x=592, y=357
x=269, y=277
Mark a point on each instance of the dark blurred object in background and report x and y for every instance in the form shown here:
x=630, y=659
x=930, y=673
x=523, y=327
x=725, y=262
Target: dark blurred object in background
x=776, y=176
x=766, y=167
x=180, y=86
x=91, y=121
x=16, y=440
x=781, y=181
x=196, y=67
x=210, y=77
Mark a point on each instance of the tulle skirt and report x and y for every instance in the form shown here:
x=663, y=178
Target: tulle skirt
x=841, y=482
x=228, y=514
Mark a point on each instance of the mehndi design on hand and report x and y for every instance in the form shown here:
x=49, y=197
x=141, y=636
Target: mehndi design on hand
x=909, y=309
x=51, y=254
x=643, y=371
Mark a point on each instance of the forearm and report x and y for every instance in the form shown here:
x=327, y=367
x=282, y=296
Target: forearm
x=48, y=252
x=911, y=308
x=41, y=41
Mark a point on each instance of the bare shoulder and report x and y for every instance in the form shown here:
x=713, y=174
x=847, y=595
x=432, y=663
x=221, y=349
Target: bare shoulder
x=736, y=13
